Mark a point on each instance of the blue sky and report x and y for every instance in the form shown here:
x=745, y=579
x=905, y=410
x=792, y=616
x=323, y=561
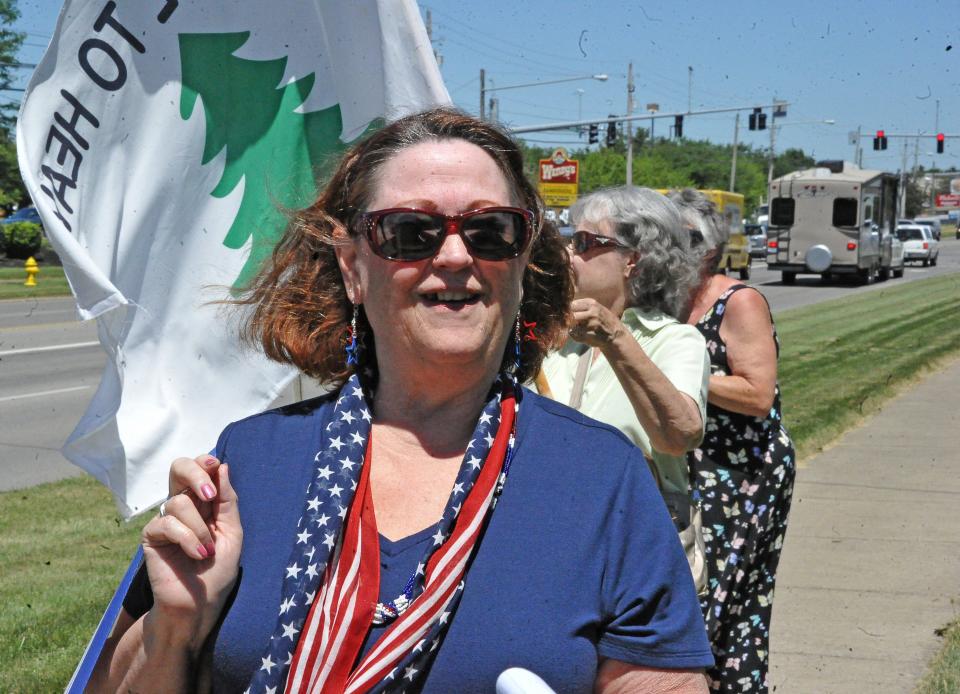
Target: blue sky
x=880, y=64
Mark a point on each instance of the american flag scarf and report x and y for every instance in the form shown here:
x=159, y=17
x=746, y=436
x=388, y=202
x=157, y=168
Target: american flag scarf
x=331, y=584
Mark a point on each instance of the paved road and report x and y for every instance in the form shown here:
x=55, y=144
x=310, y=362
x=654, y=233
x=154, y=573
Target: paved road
x=49, y=369
x=50, y=366
x=810, y=290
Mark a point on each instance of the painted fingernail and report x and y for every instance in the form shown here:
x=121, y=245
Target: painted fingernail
x=203, y=551
x=211, y=548
x=210, y=461
x=207, y=492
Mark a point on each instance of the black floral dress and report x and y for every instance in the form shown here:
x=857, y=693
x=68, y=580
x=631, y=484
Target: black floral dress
x=743, y=473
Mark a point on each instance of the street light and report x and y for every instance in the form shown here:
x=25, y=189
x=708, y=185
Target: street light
x=484, y=89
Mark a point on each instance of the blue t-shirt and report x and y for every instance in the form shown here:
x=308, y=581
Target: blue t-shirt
x=580, y=560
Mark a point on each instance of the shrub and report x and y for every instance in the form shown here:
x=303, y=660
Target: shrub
x=22, y=239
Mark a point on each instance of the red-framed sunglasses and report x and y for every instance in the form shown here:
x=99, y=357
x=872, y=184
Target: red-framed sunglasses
x=583, y=241
x=406, y=234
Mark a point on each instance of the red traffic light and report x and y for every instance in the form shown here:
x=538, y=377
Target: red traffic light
x=940, y=139
x=880, y=133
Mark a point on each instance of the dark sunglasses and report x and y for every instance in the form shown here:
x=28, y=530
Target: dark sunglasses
x=696, y=236
x=405, y=234
x=583, y=241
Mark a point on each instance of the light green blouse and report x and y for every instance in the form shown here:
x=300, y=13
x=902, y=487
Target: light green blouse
x=677, y=349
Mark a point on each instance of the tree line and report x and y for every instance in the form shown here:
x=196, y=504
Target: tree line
x=670, y=163
x=12, y=192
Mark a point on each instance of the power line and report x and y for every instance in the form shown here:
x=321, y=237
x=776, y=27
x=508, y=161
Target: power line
x=473, y=33
x=506, y=59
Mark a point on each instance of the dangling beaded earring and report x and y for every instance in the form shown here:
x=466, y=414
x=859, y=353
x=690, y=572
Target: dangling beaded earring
x=516, y=346
x=352, y=345
x=531, y=336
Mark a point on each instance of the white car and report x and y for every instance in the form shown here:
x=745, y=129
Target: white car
x=918, y=243
x=931, y=222
x=757, y=233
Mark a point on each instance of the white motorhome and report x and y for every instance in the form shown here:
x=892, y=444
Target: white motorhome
x=834, y=219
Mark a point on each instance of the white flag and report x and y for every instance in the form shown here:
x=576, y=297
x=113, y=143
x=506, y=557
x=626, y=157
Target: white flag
x=162, y=143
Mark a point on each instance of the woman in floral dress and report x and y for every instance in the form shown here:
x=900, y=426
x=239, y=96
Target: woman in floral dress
x=745, y=467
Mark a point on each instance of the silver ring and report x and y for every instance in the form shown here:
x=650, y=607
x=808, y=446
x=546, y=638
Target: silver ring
x=163, y=509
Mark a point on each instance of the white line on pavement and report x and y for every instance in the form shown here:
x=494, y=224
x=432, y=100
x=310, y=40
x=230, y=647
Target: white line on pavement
x=51, y=348
x=58, y=391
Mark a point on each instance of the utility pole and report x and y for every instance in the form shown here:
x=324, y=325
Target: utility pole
x=857, y=155
x=483, y=92
x=733, y=164
x=936, y=129
x=903, y=179
x=690, y=89
x=629, y=124
x=773, y=137
x=916, y=156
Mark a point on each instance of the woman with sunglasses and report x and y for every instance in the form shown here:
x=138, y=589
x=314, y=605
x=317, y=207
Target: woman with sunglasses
x=430, y=523
x=629, y=361
x=745, y=467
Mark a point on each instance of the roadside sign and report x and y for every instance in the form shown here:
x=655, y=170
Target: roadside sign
x=948, y=200
x=559, y=177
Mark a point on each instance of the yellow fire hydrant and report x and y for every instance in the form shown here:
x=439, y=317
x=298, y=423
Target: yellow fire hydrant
x=31, y=268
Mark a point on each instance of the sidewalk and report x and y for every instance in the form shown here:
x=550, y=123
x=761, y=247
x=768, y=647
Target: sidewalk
x=871, y=560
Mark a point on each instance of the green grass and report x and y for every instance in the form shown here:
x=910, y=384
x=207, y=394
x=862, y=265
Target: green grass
x=842, y=359
x=63, y=548
x=943, y=674
x=50, y=282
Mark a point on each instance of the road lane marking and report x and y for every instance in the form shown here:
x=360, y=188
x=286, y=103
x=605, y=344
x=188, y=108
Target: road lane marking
x=58, y=391
x=50, y=348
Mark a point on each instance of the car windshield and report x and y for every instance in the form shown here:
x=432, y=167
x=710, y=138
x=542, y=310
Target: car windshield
x=24, y=213
x=910, y=234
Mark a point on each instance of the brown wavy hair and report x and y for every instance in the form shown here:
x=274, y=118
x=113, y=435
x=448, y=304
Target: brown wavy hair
x=301, y=313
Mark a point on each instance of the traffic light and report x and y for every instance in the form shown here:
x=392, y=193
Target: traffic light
x=594, y=134
x=939, y=143
x=678, y=126
x=758, y=119
x=611, y=132
x=880, y=141
x=761, y=121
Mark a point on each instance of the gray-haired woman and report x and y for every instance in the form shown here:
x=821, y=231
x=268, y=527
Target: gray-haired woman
x=629, y=361
x=745, y=467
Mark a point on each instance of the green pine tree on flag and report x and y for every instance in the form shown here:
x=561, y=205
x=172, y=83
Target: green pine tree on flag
x=275, y=151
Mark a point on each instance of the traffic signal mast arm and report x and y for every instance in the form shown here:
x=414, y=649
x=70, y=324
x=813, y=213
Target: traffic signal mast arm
x=645, y=117
x=911, y=136
x=880, y=140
